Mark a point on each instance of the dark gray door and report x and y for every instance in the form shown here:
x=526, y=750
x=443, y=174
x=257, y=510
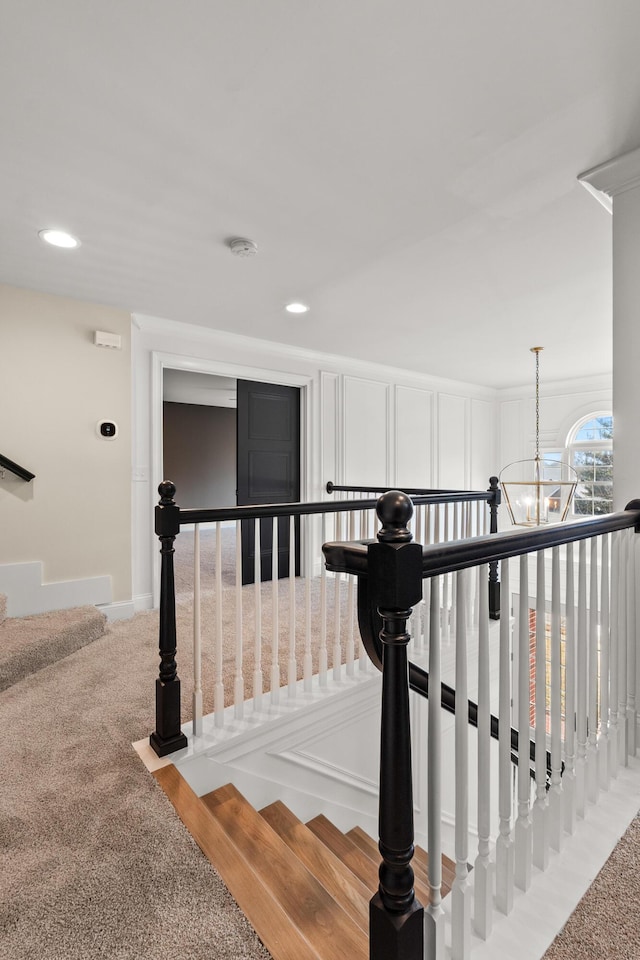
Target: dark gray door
x=268, y=452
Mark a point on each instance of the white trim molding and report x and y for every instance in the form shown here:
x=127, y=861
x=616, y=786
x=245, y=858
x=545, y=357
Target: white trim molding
x=612, y=177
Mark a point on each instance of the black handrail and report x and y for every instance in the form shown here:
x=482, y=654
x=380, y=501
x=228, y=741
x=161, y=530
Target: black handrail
x=22, y=472
x=297, y=509
x=441, y=558
x=461, y=494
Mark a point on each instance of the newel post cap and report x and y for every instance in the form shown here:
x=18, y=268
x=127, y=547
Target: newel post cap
x=167, y=511
x=395, y=562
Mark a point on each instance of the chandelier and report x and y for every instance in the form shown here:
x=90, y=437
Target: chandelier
x=538, y=491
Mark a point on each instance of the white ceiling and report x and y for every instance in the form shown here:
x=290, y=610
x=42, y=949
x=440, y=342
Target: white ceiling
x=407, y=168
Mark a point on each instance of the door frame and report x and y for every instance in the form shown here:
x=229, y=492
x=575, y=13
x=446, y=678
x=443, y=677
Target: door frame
x=161, y=361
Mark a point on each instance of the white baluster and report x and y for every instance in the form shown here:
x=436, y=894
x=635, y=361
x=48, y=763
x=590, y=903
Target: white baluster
x=434, y=914
x=581, y=681
x=445, y=580
x=631, y=642
x=307, y=664
x=337, y=648
x=323, y=658
x=605, y=643
x=218, y=690
x=453, y=609
x=504, y=843
x=238, y=685
x=275, y=611
x=614, y=733
x=293, y=666
x=592, y=754
x=461, y=889
x=483, y=869
x=257, y=595
x=197, y=636
x=351, y=607
x=569, y=777
x=523, y=834
x=364, y=535
x=623, y=742
x=540, y=813
x=428, y=534
x=556, y=812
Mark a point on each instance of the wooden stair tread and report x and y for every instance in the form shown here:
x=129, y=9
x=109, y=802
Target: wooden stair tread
x=322, y=922
x=351, y=855
x=333, y=874
x=281, y=938
x=370, y=848
x=420, y=861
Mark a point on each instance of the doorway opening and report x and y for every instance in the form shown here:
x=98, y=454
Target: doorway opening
x=229, y=441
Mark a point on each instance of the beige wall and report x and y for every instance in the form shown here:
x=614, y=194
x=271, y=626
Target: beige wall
x=55, y=385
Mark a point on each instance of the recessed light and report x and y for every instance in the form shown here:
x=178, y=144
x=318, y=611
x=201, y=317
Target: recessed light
x=58, y=238
x=297, y=308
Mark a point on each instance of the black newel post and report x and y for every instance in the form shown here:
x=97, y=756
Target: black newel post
x=494, y=583
x=167, y=737
x=396, y=918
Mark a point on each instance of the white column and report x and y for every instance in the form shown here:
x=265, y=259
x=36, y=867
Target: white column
x=617, y=184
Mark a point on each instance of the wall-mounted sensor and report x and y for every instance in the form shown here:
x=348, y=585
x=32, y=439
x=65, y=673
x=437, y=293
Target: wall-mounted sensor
x=107, y=429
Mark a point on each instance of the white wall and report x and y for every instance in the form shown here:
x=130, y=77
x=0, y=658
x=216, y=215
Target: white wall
x=363, y=423
x=75, y=517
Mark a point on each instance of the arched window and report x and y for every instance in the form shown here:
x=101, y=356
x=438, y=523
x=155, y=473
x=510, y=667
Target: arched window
x=590, y=448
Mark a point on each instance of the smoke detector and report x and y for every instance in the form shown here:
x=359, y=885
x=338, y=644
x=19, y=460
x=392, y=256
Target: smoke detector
x=241, y=247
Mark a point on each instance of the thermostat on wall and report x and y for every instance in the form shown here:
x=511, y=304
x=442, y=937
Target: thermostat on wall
x=107, y=429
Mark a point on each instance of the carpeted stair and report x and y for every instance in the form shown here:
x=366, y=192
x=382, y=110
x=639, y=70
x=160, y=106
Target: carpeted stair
x=305, y=888
x=27, y=644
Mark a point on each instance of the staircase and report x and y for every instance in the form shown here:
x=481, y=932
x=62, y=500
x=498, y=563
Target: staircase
x=305, y=888
x=28, y=644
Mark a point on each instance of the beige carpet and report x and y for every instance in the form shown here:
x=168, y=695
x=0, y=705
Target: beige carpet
x=606, y=923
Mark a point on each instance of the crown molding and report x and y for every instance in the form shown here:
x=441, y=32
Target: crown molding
x=337, y=363
x=612, y=177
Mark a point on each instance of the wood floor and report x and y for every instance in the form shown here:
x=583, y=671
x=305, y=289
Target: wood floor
x=305, y=888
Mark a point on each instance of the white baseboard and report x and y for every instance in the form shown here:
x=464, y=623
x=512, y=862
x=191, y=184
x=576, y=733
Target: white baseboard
x=122, y=610
x=144, y=601
x=26, y=593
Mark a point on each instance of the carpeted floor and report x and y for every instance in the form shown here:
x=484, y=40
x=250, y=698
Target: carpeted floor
x=93, y=860
x=605, y=924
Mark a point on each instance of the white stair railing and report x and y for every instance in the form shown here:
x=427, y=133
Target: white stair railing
x=568, y=644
